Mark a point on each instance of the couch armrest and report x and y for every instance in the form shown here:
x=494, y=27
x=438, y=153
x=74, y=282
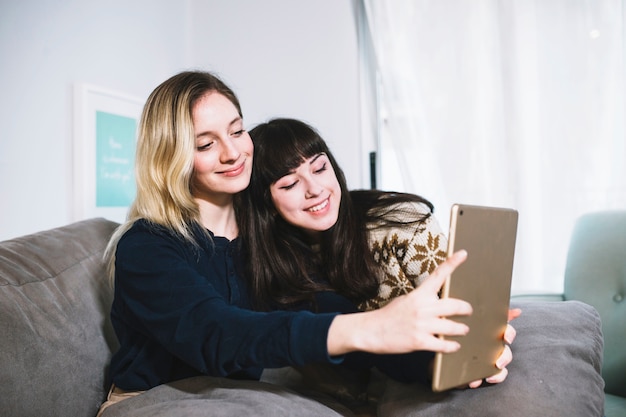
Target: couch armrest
x=56, y=339
x=537, y=297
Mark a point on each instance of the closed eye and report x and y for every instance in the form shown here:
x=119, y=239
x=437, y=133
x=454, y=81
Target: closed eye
x=289, y=186
x=320, y=170
x=204, y=147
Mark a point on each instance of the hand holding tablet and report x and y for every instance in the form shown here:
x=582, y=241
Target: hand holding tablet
x=484, y=280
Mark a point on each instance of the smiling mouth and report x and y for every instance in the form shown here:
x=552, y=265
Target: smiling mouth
x=235, y=171
x=319, y=207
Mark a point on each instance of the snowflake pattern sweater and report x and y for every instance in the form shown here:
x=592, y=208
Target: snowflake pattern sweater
x=406, y=255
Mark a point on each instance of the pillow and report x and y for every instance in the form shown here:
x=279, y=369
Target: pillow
x=557, y=357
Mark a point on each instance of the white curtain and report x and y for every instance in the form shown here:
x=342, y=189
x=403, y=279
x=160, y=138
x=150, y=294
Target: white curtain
x=516, y=103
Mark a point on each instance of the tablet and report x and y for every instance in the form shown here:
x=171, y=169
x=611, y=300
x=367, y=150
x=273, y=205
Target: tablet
x=484, y=280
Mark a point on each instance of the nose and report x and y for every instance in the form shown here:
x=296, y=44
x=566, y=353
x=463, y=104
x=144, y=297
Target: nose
x=313, y=189
x=230, y=152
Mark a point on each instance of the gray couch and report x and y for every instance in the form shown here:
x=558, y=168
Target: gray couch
x=56, y=341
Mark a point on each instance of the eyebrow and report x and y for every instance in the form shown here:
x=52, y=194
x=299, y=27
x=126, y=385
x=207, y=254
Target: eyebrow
x=292, y=171
x=311, y=162
x=316, y=157
x=210, y=132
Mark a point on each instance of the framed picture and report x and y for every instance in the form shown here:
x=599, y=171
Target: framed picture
x=105, y=132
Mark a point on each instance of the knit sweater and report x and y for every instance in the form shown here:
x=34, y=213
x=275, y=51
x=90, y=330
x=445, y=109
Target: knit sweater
x=406, y=255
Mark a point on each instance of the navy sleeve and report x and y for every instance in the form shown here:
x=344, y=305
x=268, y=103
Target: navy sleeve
x=167, y=302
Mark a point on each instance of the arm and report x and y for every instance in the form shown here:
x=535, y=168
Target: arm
x=410, y=322
x=182, y=302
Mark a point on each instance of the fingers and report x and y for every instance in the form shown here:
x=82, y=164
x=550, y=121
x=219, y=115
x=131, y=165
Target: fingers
x=505, y=358
x=432, y=285
x=514, y=313
x=436, y=344
x=446, y=327
x=444, y=270
x=450, y=264
x=499, y=377
x=495, y=379
x=475, y=384
x=509, y=334
x=453, y=307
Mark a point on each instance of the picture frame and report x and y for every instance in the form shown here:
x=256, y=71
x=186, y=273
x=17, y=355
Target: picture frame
x=104, y=141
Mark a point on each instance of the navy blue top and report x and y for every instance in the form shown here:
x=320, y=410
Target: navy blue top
x=181, y=310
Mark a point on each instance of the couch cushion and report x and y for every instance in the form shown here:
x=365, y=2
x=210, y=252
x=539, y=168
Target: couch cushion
x=220, y=397
x=54, y=306
x=557, y=356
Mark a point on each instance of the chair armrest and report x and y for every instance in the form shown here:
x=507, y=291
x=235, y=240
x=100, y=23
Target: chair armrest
x=538, y=297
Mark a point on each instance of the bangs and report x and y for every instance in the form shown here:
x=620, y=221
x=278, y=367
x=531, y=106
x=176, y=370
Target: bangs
x=281, y=148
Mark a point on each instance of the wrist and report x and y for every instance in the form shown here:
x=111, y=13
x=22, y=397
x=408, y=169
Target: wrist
x=346, y=334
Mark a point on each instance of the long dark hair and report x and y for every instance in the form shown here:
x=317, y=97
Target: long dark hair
x=283, y=268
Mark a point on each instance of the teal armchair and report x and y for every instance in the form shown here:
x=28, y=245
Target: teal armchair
x=595, y=273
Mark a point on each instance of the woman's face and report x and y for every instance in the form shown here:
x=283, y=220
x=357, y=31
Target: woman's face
x=223, y=157
x=309, y=196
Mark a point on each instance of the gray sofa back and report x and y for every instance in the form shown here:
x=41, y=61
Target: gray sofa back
x=56, y=338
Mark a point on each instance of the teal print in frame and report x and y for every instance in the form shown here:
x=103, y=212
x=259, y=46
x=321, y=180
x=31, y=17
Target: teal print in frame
x=115, y=156
x=105, y=137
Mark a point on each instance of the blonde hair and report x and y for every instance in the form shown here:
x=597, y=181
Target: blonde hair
x=165, y=155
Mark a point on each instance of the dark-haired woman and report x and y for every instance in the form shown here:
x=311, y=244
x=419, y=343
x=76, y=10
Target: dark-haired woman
x=309, y=240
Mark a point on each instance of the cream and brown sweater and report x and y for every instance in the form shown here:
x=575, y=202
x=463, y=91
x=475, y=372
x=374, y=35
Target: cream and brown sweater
x=406, y=255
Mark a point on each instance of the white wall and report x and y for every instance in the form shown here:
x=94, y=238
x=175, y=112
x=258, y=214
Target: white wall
x=288, y=58
x=282, y=57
